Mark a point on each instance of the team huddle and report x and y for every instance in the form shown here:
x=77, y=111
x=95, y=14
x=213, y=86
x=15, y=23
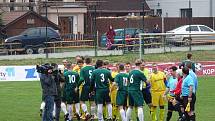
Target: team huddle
x=126, y=88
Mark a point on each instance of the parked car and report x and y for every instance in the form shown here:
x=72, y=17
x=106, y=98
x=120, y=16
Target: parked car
x=193, y=29
x=120, y=35
x=33, y=39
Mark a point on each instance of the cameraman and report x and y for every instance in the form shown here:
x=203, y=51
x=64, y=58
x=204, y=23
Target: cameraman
x=49, y=91
x=58, y=78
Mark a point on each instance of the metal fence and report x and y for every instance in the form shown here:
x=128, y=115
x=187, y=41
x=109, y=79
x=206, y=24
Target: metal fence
x=144, y=43
x=164, y=42
x=171, y=42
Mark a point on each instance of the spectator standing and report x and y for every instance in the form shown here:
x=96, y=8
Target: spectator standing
x=110, y=37
x=156, y=29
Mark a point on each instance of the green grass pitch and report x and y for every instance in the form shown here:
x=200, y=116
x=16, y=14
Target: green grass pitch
x=20, y=101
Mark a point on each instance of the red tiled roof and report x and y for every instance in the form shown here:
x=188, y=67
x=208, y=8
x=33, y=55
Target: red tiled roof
x=8, y=17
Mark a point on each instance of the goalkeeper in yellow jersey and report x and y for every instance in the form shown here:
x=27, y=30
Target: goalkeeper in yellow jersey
x=157, y=80
x=79, y=64
x=113, y=92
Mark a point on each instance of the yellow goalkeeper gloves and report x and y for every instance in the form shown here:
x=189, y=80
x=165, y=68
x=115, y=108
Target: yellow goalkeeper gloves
x=188, y=107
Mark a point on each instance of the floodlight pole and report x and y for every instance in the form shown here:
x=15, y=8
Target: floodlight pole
x=95, y=29
x=140, y=49
x=190, y=19
x=143, y=25
x=46, y=30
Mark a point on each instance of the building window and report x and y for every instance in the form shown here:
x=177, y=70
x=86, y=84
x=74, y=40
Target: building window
x=55, y=0
x=152, y=12
x=186, y=13
x=31, y=7
x=30, y=21
x=12, y=8
x=159, y=12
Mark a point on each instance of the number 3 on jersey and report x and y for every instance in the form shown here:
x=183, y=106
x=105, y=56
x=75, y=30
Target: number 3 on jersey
x=102, y=77
x=71, y=78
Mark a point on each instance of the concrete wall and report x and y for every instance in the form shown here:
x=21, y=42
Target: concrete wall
x=63, y=55
x=213, y=7
x=171, y=8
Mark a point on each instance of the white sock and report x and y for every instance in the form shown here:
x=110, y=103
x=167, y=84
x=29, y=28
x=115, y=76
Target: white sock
x=140, y=114
x=109, y=107
x=53, y=113
x=63, y=108
x=128, y=114
x=100, y=112
x=70, y=111
x=77, y=108
x=42, y=106
x=93, y=110
x=122, y=113
x=84, y=107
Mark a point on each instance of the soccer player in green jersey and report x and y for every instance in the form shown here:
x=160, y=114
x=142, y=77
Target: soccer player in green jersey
x=188, y=60
x=71, y=93
x=100, y=80
x=85, y=79
x=128, y=67
x=121, y=81
x=136, y=78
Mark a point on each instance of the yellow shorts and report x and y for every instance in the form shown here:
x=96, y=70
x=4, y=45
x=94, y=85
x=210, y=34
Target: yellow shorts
x=157, y=98
x=113, y=96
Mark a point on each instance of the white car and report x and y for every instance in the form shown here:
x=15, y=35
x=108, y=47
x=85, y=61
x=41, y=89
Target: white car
x=198, y=37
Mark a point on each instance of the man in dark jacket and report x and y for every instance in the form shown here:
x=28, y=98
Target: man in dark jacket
x=58, y=78
x=156, y=29
x=49, y=91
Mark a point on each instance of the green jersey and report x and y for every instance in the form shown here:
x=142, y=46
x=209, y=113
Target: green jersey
x=121, y=80
x=136, y=78
x=71, y=79
x=65, y=70
x=185, y=62
x=85, y=75
x=100, y=78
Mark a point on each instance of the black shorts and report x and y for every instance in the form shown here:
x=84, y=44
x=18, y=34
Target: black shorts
x=147, y=96
x=170, y=106
x=179, y=99
x=192, y=103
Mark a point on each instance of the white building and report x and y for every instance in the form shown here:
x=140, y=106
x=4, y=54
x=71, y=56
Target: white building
x=180, y=8
x=74, y=13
